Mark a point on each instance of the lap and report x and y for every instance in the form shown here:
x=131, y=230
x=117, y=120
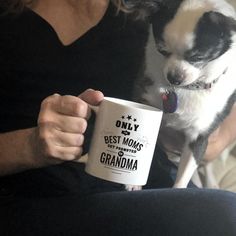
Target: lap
x=147, y=212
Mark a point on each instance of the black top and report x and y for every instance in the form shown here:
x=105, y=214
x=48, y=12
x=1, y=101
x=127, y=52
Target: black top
x=35, y=64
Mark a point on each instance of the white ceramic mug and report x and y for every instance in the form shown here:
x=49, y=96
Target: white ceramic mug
x=123, y=141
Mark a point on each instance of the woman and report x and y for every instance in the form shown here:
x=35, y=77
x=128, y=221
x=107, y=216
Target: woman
x=52, y=48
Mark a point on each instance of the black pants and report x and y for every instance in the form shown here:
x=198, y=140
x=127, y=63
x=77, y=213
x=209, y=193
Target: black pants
x=101, y=208
x=148, y=212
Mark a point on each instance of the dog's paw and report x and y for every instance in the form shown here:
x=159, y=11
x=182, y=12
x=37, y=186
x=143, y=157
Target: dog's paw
x=133, y=187
x=180, y=185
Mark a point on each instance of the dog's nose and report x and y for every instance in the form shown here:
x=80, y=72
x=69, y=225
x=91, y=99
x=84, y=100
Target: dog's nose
x=175, y=78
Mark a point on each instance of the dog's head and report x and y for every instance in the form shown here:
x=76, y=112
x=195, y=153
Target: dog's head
x=197, y=38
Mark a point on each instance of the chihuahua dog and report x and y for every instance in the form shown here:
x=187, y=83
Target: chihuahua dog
x=190, y=68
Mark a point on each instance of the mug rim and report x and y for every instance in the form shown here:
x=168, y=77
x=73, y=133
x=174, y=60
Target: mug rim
x=126, y=103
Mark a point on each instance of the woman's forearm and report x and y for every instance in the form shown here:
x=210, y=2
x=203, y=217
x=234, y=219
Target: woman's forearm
x=230, y=124
x=17, y=151
x=222, y=137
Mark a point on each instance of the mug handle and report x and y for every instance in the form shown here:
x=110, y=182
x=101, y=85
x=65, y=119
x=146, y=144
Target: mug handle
x=94, y=108
x=84, y=158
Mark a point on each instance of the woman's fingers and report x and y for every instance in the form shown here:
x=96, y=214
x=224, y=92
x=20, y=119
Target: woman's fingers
x=66, y=105
x=69, y=124
x=63, y=153
x=60, y=138
x=92, y=97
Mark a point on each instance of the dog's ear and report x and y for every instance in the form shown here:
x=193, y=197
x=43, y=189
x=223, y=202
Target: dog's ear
x=142, y=9
x=165, y=13
x=220, y=20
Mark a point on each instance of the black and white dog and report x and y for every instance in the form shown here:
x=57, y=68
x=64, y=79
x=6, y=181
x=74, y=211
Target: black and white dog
x=195, y=76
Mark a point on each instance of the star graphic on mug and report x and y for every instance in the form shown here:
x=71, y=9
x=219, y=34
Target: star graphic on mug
x=129, y=117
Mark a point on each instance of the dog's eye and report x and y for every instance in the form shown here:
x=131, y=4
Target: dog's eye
x=164, y=52
x=194, y=57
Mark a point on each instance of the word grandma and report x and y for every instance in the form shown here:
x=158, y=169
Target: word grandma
x=118, y=161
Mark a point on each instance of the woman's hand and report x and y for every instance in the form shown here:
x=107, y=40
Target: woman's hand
x=217, y=142
x=222, y=137
x=62, y=122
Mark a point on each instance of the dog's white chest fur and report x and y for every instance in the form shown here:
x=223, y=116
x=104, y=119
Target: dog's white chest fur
x=197, y=110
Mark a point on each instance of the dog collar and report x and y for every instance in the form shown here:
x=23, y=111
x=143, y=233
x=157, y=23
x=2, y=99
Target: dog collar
x=200, y=85
x=170, y=98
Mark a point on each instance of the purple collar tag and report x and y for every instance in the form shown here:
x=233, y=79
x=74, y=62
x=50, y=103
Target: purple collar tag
x=170, y=101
